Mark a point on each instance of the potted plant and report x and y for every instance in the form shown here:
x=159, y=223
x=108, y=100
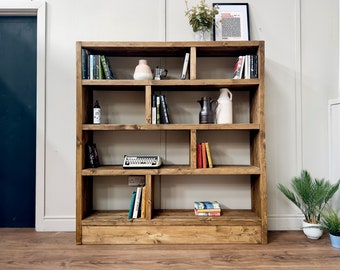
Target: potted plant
x=310, y=196
x=201, y=18
x=330, y=222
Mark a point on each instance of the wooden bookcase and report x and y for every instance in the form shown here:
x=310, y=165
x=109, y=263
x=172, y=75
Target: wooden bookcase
x=172, y=226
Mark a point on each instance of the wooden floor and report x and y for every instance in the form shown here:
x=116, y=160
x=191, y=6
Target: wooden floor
x=27, y=249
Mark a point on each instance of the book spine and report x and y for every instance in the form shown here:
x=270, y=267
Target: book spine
x=158, y=117
x=91, y=66
x=132, y=203
x=253, y=72
x=84, y=64
x=185, y=66
x=137, y=202
x=207, y=148
x=199, y=155
x=238, y=68
x=204, y=156
x=143, y=206
x=105, y=67
x=164, y=114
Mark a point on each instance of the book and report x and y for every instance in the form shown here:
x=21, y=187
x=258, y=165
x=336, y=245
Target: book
x=158, y=104
x=84, y=64
x=185, y=66
x=253, y=66
x=132, y=203
x=136, y=207
x=204, y=156
x=208, y=210
x=247, y=67
x=107, y=72
x=207, y=205
x=207, y=148
x=238, y=68
x=199, y=156
x=164, y=114
x=215, y=214
x=143, y=206
x=153, y=110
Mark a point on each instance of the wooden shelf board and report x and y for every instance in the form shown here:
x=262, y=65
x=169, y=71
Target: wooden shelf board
x=172, y=218
x=111, y=170
x=241, y=126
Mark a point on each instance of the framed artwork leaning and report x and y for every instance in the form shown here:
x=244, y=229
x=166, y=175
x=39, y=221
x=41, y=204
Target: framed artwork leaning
x=232, y=22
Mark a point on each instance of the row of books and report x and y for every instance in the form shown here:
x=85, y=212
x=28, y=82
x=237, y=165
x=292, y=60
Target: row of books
x=246, y=67
x=95, y=67
x=203, y=155
x=159, y=110
x=207, y=208
x=138, y=203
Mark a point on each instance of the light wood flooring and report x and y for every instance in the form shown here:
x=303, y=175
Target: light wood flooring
x=27, y=249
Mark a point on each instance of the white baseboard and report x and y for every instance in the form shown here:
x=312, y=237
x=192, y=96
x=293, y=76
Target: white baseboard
x=284, y=222
x=56, y=224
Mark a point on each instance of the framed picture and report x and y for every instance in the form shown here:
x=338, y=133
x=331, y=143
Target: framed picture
x=232, y=22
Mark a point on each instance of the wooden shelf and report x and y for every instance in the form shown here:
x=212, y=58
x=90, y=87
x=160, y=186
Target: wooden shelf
x=171, y=226
x=171, y=127
x=173, y=170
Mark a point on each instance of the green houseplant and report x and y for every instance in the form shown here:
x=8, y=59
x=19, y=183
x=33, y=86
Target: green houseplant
x=311, y=196
x=330, y=222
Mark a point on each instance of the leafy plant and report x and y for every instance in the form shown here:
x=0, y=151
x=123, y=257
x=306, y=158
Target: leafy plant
x=310, y=195
x=201, y=17
x=330, y=222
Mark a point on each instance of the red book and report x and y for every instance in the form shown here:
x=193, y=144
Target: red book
x=204, y=156
x=199, y=155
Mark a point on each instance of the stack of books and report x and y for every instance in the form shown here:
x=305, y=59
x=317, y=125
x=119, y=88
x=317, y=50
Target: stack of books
x=203, y=155
x=207, y=208
x=138, y=203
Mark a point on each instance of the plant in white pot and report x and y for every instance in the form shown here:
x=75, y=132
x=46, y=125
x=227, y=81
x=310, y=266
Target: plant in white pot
x=330, y=222
x=311, y=197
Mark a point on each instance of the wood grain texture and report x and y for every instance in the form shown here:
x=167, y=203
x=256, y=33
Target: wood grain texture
x=27, y=249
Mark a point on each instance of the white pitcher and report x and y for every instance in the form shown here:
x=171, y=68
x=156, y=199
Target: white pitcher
x=224, y=108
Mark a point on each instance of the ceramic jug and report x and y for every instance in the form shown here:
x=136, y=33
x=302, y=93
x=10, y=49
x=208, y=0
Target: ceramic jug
x=224, y=108
x=142, y=71
x=206, y=115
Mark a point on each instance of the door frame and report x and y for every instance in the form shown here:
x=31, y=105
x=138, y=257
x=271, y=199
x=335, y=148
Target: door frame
x=38, y=9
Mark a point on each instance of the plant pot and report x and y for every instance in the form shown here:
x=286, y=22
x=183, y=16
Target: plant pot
x=335, y=240
x=312, y=231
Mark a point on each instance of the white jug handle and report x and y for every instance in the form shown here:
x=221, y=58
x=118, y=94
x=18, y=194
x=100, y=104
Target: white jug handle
x=230, y=95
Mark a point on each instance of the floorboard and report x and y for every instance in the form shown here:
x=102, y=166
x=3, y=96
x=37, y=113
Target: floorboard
x=27, y=249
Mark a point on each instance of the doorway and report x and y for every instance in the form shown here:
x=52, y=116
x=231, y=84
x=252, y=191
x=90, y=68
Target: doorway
x=18, y=68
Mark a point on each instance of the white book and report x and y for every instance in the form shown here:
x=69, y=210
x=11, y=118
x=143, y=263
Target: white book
x=137, y=202
x=185, y=66
x=247, y=67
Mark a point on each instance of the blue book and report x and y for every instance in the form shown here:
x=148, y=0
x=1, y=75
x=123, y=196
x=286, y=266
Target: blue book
x=207, y=205
x=132, y=203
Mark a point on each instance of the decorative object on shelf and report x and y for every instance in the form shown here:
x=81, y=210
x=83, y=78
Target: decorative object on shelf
x=232, y=22
x=160, y=73
x=142, y=71
x=311, y=196
x=96, y=113
x=330, y=222
x=92, y=155
x=201, y=18
x=206, y=115
x=224, y=108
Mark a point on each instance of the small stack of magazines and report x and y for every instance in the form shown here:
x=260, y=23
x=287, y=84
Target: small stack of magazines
x=207, y=208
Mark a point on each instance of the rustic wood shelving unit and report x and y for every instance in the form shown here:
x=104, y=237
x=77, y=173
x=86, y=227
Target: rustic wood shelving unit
x=170, y=226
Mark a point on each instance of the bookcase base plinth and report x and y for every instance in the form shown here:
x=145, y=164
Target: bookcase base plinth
x=171, y=235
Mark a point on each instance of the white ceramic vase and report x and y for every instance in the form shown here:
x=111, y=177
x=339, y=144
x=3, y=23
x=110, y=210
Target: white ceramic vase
x=224, y=108
x=312, y=231
x=143, y=71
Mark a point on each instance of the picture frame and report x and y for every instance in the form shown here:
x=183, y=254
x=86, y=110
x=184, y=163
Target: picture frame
x=232, y=22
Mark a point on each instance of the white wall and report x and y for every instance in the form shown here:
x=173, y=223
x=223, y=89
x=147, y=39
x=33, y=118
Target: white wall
x=301, y=76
